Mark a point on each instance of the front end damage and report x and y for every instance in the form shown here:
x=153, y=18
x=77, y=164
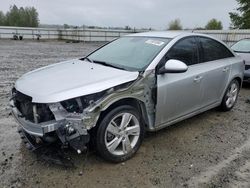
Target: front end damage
x=70, y=121
x=42, y=124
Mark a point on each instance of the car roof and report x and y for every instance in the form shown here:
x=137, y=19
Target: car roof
x=171, y=34
x=161, y=34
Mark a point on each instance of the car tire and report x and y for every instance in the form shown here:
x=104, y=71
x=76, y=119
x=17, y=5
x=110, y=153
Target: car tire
x=230, y=96
x=120, y=134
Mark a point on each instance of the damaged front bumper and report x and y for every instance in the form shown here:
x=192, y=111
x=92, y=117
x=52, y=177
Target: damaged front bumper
x=65, y=130
x=32, y=128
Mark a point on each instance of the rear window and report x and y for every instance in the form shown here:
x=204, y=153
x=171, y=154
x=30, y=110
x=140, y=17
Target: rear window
x=213, y=50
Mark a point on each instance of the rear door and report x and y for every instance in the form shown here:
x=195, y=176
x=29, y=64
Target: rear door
x=178, y=94
x=215, y=59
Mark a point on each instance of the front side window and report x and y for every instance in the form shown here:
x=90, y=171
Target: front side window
x=213, y=50
x=186, y=50
x=130, y=53
x=242, y=46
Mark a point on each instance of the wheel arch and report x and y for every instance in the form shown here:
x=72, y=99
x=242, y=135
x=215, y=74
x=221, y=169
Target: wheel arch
x=134, y=102
x=238, y=78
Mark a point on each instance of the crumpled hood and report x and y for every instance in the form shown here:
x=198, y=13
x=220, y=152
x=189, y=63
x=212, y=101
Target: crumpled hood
x=70, y=79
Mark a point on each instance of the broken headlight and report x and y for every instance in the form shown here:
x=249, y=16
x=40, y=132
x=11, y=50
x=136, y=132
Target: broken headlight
x=72, y=106
x=77, y=105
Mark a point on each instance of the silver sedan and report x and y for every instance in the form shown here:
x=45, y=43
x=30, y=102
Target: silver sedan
x=242, y=48
x=137, y=83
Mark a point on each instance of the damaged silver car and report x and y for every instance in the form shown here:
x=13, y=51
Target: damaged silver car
x=137, y=83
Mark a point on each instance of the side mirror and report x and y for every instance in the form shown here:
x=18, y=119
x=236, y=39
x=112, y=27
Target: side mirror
x=173, y=66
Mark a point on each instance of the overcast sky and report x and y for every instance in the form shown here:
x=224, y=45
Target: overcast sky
x=135, y=13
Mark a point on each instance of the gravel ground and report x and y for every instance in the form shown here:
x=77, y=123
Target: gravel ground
x=209, y=150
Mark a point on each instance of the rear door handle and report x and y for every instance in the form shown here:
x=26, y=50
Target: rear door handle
x=226, y=69
x=197, y=79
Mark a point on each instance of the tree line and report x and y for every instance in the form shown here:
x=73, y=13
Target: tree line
x=20, y=17
x=239, y=19
x=213, y=24
x=28, y=17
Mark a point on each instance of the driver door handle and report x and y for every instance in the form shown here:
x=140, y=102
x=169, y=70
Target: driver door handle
x=226, y=69
x=197, y=79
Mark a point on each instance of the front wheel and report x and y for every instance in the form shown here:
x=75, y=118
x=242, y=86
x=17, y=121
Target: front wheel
x=120, y=134
x=231, y=96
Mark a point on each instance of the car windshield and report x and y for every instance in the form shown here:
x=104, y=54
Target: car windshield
x=242, y=46
x=129, y=53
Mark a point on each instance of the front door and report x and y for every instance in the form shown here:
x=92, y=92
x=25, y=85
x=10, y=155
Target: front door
x=178, y=94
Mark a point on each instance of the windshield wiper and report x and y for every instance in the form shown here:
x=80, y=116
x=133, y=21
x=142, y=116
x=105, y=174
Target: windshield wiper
x=102, y=63
x=88, y=59
x=107, y=64
x=236, y=51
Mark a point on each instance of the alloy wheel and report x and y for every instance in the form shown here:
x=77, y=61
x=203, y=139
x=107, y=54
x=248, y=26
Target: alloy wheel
x=122, y=134
x=232, y=94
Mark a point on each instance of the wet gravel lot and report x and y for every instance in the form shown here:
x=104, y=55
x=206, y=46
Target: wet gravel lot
x=209, y=150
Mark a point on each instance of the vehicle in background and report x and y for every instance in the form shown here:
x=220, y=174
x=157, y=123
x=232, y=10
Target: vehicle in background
x=242, y=48
x=143, y=81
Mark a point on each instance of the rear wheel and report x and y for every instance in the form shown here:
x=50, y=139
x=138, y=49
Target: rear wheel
x=231, y=96
x=120, y=134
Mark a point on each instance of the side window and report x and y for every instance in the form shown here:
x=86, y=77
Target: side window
x=186, y=50
x=213, y=50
